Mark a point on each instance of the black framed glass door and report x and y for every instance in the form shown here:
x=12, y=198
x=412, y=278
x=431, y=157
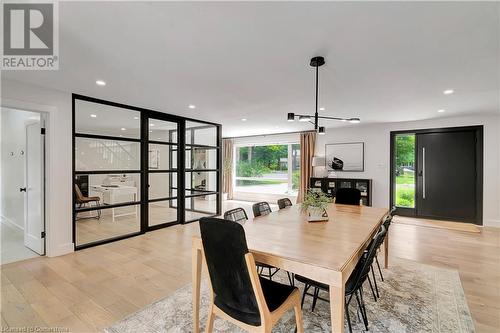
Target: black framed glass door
x=163, y=171
x=136, y=170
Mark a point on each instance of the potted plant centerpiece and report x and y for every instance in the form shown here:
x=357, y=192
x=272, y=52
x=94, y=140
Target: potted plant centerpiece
x=315, y=204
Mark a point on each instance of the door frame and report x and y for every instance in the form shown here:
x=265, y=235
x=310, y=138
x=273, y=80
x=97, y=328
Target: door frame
x=47, y=119
x=479, y=133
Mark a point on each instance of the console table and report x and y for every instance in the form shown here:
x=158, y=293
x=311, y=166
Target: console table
x=329, y=186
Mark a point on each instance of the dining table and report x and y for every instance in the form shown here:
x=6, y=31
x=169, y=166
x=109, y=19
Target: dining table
x=326, y=251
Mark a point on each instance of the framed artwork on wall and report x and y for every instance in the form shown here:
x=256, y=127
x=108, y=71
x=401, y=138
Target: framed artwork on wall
x=345, y=156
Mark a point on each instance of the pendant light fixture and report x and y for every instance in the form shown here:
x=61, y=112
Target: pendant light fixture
x=317, y=62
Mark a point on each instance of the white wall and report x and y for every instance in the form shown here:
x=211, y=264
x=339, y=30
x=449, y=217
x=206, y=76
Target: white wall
x=13, y=140
x=377, y=156
x=58, y=164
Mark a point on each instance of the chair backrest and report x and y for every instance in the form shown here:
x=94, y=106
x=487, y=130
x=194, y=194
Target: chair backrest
x=365, y=262
x=236, y=215
x=387, y=222
x=392, y=211
x=79, y=195
x=225, y=246
x=348, y=196
x=261, y=208
x=283, y=203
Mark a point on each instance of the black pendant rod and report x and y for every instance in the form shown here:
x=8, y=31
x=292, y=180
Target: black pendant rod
x=316, y=113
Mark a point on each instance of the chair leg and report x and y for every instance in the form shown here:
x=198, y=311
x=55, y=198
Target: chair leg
x=210, y=320
x=306, y=288
x=270, y=275
x=365, y=321
x=299, y=326
x=371, y=287
x=291, y=279
x=315, y=298
x=375, y=281
x=379, y=270
x=346, y=306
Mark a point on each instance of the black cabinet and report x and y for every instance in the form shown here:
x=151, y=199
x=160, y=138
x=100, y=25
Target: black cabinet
x=329, y=186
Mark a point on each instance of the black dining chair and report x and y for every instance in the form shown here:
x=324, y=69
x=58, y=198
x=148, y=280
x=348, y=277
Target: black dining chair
x=386, y=224
x=236, y=215
x=354, y=284
x=261, y=209
x=283, y=203
x=238, y=293
x=348, y=196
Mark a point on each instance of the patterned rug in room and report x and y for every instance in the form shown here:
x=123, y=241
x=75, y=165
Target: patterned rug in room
x=414, y=298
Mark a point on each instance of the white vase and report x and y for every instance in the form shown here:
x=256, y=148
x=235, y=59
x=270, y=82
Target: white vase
x=316, y=214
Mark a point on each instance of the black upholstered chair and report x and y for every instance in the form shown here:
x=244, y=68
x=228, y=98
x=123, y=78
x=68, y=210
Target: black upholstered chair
x=348, y=196
x=236, y=215
x=238, y=293
x=261, y=209
x=354, y=285
x=283, y=203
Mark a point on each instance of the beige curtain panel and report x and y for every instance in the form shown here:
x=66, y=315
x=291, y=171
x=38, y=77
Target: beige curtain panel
x=307, y=144
x=227, y=174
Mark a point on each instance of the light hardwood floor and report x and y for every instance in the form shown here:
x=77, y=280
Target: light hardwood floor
x=90, y=289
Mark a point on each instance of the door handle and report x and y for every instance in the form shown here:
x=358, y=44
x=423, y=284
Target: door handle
x=22, y=189
x=423, y=173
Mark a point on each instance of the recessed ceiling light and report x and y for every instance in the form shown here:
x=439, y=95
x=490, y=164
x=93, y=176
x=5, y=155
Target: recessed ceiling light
x=123, y=129
x=191, y=106
x=93, y=116
x=354, y=120
x=243, y=119
x=448, y=91
x=322, y=109
x=100, y=83
x=441, y=110
x=136, y=118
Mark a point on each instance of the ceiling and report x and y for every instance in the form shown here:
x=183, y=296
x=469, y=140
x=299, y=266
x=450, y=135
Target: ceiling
x=385, y=62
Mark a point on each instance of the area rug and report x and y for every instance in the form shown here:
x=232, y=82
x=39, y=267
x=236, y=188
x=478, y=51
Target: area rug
x=413, y=298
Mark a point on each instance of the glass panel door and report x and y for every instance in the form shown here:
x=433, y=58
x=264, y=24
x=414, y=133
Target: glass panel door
x=404, y=171
x=202, y=176
x=162, y=173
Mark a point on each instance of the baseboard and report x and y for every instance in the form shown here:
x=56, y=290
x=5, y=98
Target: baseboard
x=11, y=223
x=491, y=223
x=61, y=249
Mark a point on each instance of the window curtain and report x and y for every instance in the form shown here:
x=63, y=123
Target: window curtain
x=227, y=174
x=307, y=143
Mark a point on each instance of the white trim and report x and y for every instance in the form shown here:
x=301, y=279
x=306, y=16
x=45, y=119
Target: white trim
x=62, y=249
x=52, y=249
x=491, y=223
x=8, y=222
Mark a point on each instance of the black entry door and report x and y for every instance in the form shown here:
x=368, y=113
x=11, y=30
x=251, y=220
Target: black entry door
x=447, y=175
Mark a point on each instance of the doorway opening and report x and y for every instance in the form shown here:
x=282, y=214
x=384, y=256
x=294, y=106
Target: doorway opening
x=437, y=173
x=22, y=211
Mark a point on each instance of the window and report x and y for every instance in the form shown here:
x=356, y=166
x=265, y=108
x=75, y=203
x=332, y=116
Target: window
x=268, y=169
x=404, y=168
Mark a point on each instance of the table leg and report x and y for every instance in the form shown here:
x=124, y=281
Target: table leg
x=337, y=308
x=196, y=288
x=386, y=251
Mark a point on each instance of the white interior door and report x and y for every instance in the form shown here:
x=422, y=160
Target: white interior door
x=34, y=195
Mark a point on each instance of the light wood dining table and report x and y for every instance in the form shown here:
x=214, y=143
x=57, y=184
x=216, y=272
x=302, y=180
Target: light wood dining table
x=323, y=251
